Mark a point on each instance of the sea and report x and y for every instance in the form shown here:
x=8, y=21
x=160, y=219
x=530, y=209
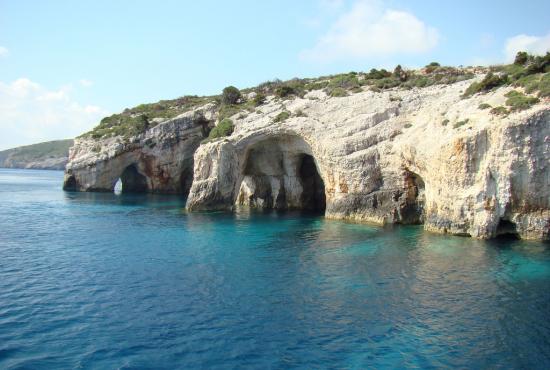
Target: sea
x=119, y=281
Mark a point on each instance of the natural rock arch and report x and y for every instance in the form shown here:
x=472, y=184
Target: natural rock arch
x=132, y=180
x=281, y=172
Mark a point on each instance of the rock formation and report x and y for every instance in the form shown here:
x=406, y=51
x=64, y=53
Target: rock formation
x=158, y=161
x=421, y=156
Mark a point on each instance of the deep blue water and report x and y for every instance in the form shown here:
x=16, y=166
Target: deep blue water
x=105, y=281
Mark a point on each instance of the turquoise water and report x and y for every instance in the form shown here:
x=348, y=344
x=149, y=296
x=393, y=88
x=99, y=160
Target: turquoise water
x=104, y=281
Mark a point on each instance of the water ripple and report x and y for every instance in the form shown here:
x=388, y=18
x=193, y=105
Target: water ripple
x=105, y=281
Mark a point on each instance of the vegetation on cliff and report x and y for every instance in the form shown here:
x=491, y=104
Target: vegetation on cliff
x=527, y=72
x=222, y=129
x=133, y=121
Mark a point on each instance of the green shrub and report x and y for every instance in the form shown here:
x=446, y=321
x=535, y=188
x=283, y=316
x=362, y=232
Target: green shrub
x=461, y=123
x=387, y=83
x=281, y=117
x=268, y=87
x=338, y=92
x=400, y=74
x=521, y=58
x=499, y=111
x=445, y=122
x=284, y=91
x=538, y=64
x=258, y=99
x=433, y=66
x=346, y=81
x=518, y=101
x=530, y=82
x=317, y=85
x=408, y=125
x=375, y=74
x=513, y=71
x=224, y=128
x=419, y=81
x=544, y=86
x=489, y=82
x=230, y=95
x=484, y=106
x=294, y=87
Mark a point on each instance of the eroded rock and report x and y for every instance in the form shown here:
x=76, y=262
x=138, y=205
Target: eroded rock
x=417, y=156
x=387, y=160
x=158, y=161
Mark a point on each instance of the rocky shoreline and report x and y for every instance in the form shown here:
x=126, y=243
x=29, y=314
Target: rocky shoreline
x=421, y=156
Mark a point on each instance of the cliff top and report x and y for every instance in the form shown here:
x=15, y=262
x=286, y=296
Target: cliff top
x=530, y=73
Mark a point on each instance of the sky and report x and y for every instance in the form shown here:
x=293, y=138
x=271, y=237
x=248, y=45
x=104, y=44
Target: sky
x=66, y=64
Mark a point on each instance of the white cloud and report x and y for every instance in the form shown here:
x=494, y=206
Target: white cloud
x=86, y=83
x=30, y=113
x=532, y=44
x=371, y=30
x=3, y=52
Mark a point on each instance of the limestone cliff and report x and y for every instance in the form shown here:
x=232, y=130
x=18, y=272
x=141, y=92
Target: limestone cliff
x=397, y=156
x=157, y=161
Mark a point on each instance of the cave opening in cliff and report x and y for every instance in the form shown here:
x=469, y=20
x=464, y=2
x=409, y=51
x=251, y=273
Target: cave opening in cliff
x=313, y=187
x=131, y=181
x=506, y=229
x=281, y=173
x=412, y=212
x=186, y=180
x=70, y=184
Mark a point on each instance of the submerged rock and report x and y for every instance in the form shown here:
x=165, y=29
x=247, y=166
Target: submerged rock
x=401, y=156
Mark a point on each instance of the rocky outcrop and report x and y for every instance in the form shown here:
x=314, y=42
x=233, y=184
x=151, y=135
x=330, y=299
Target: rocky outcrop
x=421, y=156
x=158, y=161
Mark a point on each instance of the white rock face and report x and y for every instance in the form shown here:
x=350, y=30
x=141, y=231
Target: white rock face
x=402, y=156
x=419, y=156
x=158, y=161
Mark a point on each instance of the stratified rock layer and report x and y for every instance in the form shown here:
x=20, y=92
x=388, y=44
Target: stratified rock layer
x=158, y=161
x=417, y=156
x=423, y=156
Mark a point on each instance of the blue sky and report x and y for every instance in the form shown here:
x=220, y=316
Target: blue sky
x=65, y=64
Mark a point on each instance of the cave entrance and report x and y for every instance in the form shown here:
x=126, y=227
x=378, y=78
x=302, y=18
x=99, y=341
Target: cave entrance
x=506, y=229
x=313, y=187
x=281, y=173
x=70, y=184
x=131, y=181
x=186, y=180
x=412, y=210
